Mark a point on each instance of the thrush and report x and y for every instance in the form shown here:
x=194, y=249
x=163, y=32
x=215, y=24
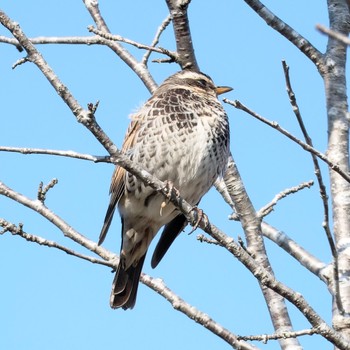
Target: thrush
x=180, y=135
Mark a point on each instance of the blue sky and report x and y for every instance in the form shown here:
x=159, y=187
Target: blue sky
x=54, y=301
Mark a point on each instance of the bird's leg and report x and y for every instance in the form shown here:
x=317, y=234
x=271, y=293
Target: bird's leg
x=170, y=190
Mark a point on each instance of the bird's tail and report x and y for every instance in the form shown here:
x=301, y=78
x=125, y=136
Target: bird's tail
x=125, y=285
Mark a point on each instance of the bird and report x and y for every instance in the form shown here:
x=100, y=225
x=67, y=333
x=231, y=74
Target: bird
x=180, y=135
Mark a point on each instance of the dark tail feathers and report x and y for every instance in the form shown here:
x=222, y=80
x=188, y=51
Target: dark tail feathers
x=125, y=285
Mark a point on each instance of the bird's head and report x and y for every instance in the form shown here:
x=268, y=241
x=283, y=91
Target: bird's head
x=199, y=82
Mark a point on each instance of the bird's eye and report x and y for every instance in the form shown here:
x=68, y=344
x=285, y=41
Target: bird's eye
x=203, y=83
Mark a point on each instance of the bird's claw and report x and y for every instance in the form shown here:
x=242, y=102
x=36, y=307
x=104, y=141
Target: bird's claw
x=199, y=216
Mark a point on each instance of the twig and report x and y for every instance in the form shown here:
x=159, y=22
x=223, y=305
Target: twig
x=18, y=231
x=202, y=238
x=68, y=154
x=283, y=335
x=155, y=41
x=333, y=34
x=66, y=40
x=268, y=208
x=237, y=104
x=141, y=70
x=42, y=191
x=322, y=187
x=114, y=37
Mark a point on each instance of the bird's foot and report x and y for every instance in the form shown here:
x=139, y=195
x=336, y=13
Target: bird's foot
x=199, y=217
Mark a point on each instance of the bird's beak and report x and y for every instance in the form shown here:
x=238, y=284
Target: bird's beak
x=222, y=89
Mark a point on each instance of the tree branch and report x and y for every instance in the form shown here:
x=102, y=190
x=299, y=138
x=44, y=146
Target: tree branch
x=140, y=69
x=18, y=231
x=289, y=33
x=68, y=154
x=321, y=185
x=113, y=37
x=335, y=167
x=155, y=41
x=184, y=45
x=251, y=225
x=306, y=259
x=333, y=34
x=268, y=208
x=283, y=335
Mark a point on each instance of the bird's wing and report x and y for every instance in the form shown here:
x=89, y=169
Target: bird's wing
x=118, y=180
x=170, y=232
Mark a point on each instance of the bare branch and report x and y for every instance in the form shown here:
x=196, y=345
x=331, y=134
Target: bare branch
x=68, y=154
x=140, y=69
x=185, y=50
x=113, y=37
x=67, y=40
x=112, y=261
x=202, y=238
x=268, y=208
x=333, y=34
x=221, y=187
x=42, y=191
x=283, y=335
x=155, y=41
x=289, y=33
x=195, y=314
x=237, y=104
x=306, y=259
x=251, y=225
x=18, y=231
x=322, y=187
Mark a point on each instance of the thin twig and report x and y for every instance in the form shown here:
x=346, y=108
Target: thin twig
x=52, y=152
x=66, y=40
x=283, y=335
x=141, y=70
x=42, y=191
x=322, y=187
x=333, y=34
x=114, y=37
x=268, y=208
x=237, y=104
x=202, y=238
x=18, y=231
x=155, y=41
